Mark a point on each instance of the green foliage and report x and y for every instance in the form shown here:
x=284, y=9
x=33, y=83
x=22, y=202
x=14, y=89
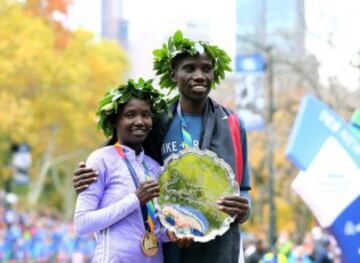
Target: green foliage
x=176, y=45
x=114, y=98
x=49, y=92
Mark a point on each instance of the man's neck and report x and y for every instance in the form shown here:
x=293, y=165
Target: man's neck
x=189, y=106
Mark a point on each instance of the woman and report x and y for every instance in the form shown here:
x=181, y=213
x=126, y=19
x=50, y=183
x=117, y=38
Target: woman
x=118, y=206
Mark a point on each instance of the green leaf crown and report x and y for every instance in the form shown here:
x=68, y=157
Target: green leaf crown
x=114, y=98
x=176, y=45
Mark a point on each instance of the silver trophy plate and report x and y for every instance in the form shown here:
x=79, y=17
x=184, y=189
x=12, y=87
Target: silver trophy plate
x=191, y=182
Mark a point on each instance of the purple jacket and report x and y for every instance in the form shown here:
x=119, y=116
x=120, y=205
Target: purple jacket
x=110, y=208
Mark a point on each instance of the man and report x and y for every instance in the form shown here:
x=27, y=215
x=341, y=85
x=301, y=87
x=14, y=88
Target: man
x=196, y=120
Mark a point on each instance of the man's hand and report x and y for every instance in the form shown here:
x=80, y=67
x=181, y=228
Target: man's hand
x=234, y=206
x=83, y=176
x=147, y=191
x=181, y=242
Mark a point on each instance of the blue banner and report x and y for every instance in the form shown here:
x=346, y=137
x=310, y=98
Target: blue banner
x=315, y=123
x=327, y=151
x=254, y=63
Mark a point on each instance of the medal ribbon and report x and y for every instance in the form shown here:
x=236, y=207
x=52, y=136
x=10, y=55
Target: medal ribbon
x=148, y=211
x=187, y=139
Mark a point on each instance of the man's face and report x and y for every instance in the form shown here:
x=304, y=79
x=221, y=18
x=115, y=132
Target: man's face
x=194, y=76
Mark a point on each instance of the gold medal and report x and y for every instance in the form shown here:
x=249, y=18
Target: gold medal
x=149, y=244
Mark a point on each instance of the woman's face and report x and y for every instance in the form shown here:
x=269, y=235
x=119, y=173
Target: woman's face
x=134, y=123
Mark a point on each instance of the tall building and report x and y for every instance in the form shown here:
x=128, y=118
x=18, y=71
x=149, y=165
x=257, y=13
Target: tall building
x=270, y=34
x=276, y=23
x=276, y=28
x=141, y=30
x=114, y=26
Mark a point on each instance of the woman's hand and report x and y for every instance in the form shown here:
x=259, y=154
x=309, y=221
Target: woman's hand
x=83, y=176
x=235, y=206
x=180, y=241
x=147, y=191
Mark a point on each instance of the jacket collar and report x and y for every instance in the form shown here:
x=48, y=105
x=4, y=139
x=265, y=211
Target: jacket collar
x=131, y=155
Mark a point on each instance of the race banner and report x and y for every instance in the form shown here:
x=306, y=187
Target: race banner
x=327, y=151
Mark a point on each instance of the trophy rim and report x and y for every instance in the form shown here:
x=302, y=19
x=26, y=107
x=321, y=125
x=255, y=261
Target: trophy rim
x=236, y=192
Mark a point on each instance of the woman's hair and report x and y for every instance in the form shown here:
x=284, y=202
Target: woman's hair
x=110, y=141
x=112, y=118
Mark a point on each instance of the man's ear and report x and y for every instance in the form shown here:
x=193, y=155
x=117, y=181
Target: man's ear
x=173, y=76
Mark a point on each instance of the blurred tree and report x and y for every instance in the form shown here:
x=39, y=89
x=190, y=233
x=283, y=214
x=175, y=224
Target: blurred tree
x=48, y=7
x=292, y=214
x=49, y=92
x=53, y=11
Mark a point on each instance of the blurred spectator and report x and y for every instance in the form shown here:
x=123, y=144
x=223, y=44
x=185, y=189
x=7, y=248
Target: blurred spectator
x=321, y=252
x=300, y=253
x=273, y=257
x=21, y=162
x=254, y=253
x=316, y=246
x=284, y=244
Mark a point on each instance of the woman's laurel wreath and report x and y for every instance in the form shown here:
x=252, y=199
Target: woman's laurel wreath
x=109, y=104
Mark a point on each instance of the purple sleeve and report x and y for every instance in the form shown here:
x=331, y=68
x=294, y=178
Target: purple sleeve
x=88, y=217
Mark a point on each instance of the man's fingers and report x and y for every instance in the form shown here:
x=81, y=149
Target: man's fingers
x=155, y=194
x=234, y=205
x=81, y=188
x=82, y=164
x=188, y=241
x=149, y=184
x=88, y=175
x=229, y=203
x=171, y=236
x=233, y=210
x=155, y=189
x=229, y=211
x=185, y=241
x=85, y=182
x=80, y=171
x=150, y=187
x=180, y=241
x=84, y=176
x=239, y=199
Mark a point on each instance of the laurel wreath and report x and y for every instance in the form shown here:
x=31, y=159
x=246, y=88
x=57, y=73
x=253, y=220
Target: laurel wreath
x=176, y=45
x=114, y=98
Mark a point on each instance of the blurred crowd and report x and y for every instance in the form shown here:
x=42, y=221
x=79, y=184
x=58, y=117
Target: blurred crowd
x=315, y=247
x=28, y=236
x=42, y=236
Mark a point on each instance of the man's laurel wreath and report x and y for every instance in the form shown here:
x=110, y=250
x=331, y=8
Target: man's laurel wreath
x=176, y=45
